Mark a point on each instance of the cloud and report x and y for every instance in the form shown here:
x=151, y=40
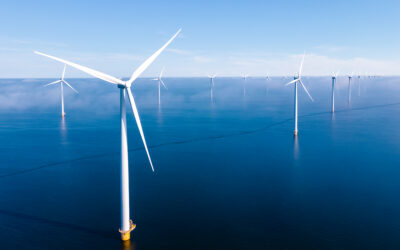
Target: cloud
x=185, y=63
x=180, y=51
x=331, y=48
x=201, y=59
x=25, y=42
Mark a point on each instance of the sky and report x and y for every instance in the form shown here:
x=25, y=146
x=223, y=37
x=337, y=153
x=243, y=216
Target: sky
x=227, y=38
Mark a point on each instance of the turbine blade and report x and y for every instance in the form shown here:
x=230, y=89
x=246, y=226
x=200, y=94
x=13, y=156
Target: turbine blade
x=304, y=87
x=139, y=124
x=162, y=71
x=295, y=80
x=63, y=74
x=301, y=64
x=147, y=63
x=52, y=83
x=87, y=70
x=69, y=85
x=162, y=82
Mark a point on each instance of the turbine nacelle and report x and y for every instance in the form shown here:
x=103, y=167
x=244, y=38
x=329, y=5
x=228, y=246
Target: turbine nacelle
x=212, y=77
x=335, y=75
x=350, y=76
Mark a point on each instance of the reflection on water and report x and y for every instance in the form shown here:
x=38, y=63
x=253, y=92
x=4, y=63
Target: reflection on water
x=128, y=245
x=63, y=125
x=63, y=131
x=295, y=148
x=159, y=115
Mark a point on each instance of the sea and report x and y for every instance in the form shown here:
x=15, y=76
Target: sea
x=229, y=173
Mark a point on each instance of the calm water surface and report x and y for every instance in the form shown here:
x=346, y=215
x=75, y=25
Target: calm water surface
x=229, y=173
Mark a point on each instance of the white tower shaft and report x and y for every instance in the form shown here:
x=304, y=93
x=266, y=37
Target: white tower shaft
x=159, y=93
x=125, y=219
x=212, y=89
x=295, y=108
x=333, y=94
x=349, y=90
x=62, y=99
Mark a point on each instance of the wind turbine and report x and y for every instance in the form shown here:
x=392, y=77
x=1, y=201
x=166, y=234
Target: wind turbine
x=296, y=80
x=334, y=76
x=125, y=89
x=62, y=81
x=160, y=81
x=349, y=91
x=212, y=77
x=244, y=76
x=267, y=78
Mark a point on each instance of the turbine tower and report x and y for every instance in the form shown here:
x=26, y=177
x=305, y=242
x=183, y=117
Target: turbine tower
x=349, y=90
x=160, y=82
x=125, y=91
x=244, y=76
x=296, y=80
x=266, y=85
x=334, y=76
x=212, y=77
x=62, y=81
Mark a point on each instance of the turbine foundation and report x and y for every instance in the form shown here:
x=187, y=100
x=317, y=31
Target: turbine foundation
x=126, y=235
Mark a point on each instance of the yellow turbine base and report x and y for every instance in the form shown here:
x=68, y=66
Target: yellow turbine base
x=126, y=235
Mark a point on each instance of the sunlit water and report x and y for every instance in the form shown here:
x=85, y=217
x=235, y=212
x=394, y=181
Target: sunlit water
x=229, y=173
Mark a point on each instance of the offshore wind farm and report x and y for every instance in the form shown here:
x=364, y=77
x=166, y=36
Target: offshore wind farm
x=195, y=138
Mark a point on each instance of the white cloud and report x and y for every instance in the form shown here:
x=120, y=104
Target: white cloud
x=179, y=51
x=21, y=64
x=331, y=48
x=202, y=59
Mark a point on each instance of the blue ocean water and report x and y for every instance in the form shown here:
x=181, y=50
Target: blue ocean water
x=229, y=173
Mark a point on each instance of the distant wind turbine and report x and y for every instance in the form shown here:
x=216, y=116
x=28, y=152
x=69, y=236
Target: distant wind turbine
x=297, y=79
x=62, y=81
x=244, y=76
x=267, y=78
x=212, y=77
x=125, y=89
x=160, y=82
x=349, y=90
x=334, y=76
